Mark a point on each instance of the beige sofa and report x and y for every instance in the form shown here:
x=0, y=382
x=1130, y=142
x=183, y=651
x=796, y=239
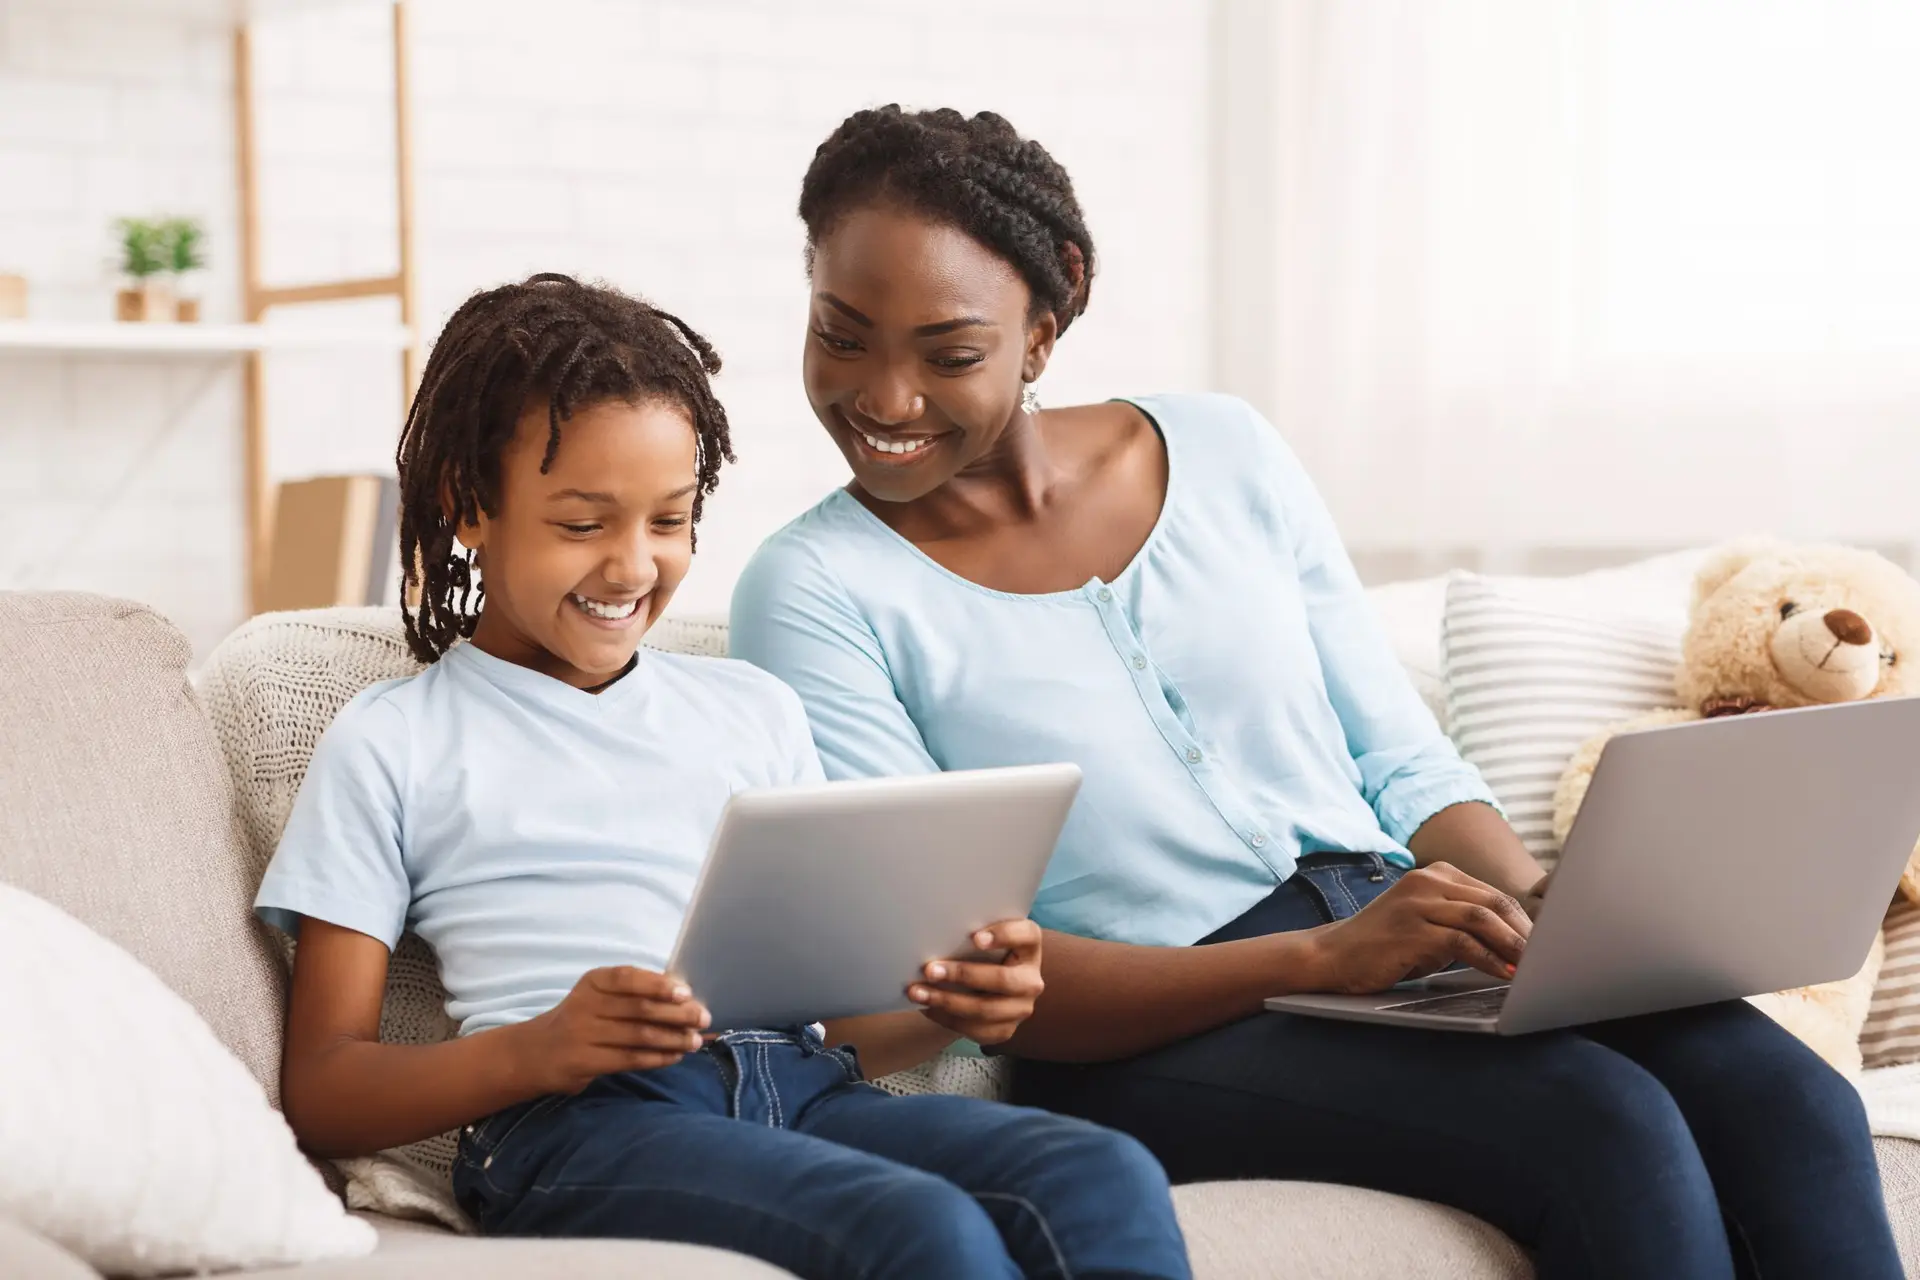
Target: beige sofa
x=118, y=804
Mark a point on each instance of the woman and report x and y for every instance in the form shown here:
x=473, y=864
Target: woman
x=1153, y=589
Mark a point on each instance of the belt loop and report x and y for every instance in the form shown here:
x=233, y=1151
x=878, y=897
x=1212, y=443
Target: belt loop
x=1379, y=867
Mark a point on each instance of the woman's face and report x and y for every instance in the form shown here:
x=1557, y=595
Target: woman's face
x=918, y=346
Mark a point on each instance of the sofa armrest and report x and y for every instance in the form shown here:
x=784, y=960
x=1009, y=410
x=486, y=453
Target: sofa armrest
x=26, y=1256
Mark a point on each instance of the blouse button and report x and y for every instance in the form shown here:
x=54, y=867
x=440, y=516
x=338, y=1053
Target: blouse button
x=1193, y=755
x=1103, y=595
x=1259, y=840
x=1139, y=663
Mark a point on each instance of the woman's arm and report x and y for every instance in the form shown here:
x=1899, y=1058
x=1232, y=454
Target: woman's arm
x=1477, y=840
x=1107, y=1000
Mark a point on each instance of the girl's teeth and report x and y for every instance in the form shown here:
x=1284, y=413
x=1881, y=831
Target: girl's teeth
x=611, y=612
x=897, y=446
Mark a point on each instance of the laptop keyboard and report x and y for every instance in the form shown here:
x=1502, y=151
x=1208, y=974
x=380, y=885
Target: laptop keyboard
x=1461, y=1004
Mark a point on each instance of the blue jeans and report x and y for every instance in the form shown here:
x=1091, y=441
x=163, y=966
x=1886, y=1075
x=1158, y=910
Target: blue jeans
x=768, y=1143
x=1703, y=1142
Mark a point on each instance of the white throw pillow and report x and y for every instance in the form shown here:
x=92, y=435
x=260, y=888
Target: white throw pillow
x=128, y=1134
x=1535, y=667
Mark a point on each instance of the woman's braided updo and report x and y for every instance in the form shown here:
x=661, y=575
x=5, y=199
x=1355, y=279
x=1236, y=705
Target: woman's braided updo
x=549, y=338
x=975, y=173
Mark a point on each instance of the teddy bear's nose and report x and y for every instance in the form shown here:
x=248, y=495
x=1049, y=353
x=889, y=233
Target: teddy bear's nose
x=1848, y=627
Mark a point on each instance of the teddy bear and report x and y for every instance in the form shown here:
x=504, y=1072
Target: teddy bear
x=1775, y=625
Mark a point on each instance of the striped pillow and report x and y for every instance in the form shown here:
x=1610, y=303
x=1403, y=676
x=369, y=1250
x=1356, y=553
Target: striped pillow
x=1535, y=667
x=1892, y=1033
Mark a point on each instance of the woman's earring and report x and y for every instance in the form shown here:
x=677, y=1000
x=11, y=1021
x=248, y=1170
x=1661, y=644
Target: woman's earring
x=1029, y=402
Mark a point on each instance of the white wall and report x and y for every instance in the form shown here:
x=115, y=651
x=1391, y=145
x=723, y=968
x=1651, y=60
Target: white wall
x=656, y=145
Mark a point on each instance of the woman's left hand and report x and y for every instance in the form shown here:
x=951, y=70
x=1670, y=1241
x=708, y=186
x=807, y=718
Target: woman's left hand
x=985, y=1001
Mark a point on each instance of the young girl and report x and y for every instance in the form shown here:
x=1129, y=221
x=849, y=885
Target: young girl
x=1153, y=588
x=536, y=805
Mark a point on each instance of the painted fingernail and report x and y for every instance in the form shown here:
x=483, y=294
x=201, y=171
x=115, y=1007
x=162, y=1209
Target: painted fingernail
x=1511, y=971
x=936, y=971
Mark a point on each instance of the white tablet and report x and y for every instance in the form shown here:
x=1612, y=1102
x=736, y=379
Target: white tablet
x=825, y=901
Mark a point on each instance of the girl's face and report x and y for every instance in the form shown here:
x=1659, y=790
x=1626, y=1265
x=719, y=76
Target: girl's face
x=581, y=560
x=918, y=346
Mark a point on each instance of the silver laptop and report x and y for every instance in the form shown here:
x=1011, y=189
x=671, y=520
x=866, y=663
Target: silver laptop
x=823, y=901
x=1710, y=860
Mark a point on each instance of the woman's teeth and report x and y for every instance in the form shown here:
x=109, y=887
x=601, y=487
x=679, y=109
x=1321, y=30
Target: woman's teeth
x=611, y=612
x=898, y=446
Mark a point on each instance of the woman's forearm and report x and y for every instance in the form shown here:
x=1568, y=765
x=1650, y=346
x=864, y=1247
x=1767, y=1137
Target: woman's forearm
x=354, y=1097
x=1107, y=1000
x=1474, y=838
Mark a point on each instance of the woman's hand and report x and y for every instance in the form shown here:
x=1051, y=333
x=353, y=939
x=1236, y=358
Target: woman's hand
x=615, y=1019
x=1531, y=900
x=984, y=1001
x=1434, y=916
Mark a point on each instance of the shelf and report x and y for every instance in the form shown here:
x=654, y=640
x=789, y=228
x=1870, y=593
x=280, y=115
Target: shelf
x=190, y=339
x=200, y=13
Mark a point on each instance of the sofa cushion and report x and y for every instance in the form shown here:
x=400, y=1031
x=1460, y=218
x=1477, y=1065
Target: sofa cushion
x=116, y=806
x=30, y=1256
x=409, y=1251
x=1900, y=1182
x=1320, y=1231
x=271, y=689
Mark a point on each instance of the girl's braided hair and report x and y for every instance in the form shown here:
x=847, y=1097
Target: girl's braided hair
x=974, y=173
x=548, y=337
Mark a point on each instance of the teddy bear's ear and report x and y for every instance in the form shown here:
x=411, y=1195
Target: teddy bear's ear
x=1723, y=562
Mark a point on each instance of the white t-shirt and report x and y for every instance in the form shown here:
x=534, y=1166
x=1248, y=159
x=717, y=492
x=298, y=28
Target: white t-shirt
x=527, y=830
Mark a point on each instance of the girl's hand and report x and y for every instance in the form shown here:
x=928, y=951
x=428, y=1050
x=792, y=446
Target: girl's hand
x=615, y=1019
x=985, y=1001
x=1434, y=916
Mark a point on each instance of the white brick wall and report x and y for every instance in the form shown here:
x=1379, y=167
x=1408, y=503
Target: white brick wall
x=658, y=145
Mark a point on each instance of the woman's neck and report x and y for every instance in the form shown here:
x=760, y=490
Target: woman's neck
x=1009, y=484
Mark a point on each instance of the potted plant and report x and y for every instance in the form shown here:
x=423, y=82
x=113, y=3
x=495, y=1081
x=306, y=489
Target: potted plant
x=185, y=248
x=143, y=260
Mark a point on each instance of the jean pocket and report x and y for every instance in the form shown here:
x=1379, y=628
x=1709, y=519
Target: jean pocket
x=479, y=1143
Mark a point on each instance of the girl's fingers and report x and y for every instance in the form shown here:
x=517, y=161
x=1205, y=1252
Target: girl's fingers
x=641, y=1009
x=971, y=1008
x=1001, y=979
x=647, y=1035
x=1020, y=938
x=627, y=980
x=648, y=1060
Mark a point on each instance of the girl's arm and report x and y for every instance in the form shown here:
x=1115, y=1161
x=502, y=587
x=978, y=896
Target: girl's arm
x=347, y=1094
x=890, y=1042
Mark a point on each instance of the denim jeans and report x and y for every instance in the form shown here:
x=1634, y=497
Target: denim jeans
x=1703, y=1142
x=768, y=1143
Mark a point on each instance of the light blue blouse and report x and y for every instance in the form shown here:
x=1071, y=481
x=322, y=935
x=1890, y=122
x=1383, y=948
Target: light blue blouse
x=1230, y=696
